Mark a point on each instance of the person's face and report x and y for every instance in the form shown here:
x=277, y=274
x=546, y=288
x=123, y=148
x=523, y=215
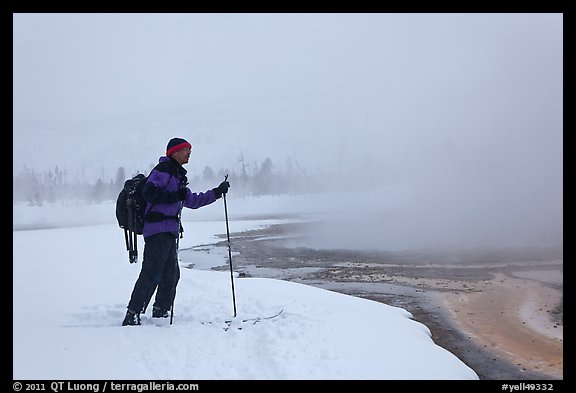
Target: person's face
x=182, y=156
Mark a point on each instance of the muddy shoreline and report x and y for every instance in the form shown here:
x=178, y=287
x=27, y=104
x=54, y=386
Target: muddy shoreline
x=423, y=283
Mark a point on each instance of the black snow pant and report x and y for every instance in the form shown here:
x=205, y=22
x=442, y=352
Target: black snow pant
x=159, y=270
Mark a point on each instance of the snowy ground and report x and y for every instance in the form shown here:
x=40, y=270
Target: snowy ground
x=71, y=285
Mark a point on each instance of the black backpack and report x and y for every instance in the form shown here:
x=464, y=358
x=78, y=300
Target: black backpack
x=130, y=207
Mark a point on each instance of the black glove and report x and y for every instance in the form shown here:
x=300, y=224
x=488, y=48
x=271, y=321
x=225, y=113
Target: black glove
x=221, y=189
x=182, y=193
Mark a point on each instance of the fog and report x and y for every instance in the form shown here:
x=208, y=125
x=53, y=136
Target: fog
x=431, y=129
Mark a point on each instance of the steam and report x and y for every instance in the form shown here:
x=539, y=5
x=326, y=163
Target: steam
x=425, y=129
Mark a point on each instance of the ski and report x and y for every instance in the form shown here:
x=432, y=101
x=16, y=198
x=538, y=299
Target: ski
x=240, y=323
x=252, y=321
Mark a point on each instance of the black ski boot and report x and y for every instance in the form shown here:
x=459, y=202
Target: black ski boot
x=158, y=312
x=131, y=319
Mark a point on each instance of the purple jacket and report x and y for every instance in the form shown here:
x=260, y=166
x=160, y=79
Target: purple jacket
x=163, y=196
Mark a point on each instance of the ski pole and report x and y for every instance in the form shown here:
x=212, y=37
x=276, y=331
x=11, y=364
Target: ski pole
x=177, y=252
x=229, y=249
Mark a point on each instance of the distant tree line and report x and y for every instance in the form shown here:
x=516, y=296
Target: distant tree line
x=37, y=188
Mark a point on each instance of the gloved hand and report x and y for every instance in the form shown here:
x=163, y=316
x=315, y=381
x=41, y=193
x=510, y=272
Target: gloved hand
x=221, y=189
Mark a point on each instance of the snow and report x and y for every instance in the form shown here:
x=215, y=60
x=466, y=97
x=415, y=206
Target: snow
x=71, y=285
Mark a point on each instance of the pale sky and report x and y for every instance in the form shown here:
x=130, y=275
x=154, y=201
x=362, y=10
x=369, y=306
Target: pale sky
x=425, y=81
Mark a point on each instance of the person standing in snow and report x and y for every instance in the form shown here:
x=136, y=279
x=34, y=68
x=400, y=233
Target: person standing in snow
x=166, y=193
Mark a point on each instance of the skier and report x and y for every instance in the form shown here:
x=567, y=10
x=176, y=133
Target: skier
x=166, y=193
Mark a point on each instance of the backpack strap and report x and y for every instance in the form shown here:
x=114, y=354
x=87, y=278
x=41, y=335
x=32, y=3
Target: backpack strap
x=150, y=216
x=158, y=216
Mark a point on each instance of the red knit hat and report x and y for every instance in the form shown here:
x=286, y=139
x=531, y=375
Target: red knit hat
x=176, y=144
